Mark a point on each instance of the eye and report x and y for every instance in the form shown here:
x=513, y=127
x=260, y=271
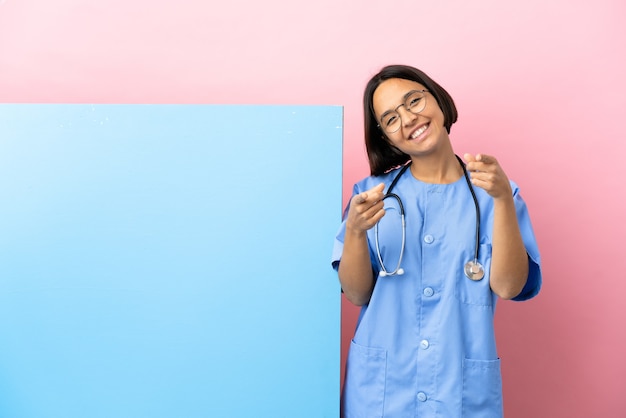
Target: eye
x=389, y=119
x=414, y=100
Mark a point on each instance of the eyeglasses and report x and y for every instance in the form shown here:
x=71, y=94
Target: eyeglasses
x=414, y=102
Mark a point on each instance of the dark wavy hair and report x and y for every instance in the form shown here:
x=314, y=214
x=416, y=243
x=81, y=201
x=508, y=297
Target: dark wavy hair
x=381, y=154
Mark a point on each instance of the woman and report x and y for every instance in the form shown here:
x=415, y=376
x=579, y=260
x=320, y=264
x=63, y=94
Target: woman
x=424, y=344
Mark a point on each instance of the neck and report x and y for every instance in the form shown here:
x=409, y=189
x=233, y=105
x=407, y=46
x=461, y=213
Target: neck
x=436, y=170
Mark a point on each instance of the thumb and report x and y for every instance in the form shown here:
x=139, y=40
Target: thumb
x=360, y=198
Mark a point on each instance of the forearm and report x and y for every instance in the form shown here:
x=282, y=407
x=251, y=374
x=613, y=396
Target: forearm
x=509, y=264
x=355, y=269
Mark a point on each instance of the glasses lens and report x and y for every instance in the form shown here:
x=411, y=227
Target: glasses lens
x=391, y=122
x=416, y=102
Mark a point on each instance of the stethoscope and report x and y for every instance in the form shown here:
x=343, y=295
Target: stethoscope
x=472, y=269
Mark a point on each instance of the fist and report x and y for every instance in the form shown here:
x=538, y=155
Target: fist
x=486, y=173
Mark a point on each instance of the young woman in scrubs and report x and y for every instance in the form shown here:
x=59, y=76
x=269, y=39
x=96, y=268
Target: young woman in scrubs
x=424, y=345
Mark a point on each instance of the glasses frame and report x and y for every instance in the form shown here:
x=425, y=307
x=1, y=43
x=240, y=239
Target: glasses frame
x=406, y=107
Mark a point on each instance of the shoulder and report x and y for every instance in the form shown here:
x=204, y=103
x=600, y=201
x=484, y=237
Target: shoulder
x=371, y=181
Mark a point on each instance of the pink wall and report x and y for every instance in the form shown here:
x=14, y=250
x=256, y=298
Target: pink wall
x=539, y=84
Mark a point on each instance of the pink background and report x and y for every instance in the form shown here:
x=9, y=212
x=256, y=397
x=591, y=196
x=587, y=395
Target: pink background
x=538, y=84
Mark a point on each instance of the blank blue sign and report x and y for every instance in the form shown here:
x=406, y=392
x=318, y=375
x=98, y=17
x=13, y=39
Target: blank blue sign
x=169, y=261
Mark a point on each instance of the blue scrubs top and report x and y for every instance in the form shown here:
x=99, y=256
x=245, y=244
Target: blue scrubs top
x=425, y=344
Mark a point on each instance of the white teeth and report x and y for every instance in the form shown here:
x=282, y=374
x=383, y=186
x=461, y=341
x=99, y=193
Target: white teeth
x=419, y=132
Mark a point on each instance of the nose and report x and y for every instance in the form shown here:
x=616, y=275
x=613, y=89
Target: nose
x=407, y=117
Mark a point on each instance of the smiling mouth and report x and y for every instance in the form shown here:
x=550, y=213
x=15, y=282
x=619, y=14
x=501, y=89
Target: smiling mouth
x=419, y=131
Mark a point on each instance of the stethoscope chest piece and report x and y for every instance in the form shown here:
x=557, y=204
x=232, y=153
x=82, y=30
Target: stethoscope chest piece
x=474, y=270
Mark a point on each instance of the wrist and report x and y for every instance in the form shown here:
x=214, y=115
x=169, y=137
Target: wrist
x=353, y=232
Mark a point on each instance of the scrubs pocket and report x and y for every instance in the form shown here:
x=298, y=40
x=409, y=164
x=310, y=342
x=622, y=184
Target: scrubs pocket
x=476, y=292
x=482, y=389
x=364, y=386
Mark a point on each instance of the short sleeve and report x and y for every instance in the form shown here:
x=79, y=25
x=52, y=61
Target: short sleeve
x=339, y=238
x=533, y=282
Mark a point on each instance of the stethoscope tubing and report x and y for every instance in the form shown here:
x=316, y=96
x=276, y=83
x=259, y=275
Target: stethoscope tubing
x=476, y=205
x=398, y=270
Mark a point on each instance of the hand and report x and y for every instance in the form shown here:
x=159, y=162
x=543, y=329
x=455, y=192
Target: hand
x=366, y=209
x=486, y=173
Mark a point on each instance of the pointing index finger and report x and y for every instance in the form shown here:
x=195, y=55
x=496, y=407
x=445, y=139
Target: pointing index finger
x=484, y=158
x=374, y=194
